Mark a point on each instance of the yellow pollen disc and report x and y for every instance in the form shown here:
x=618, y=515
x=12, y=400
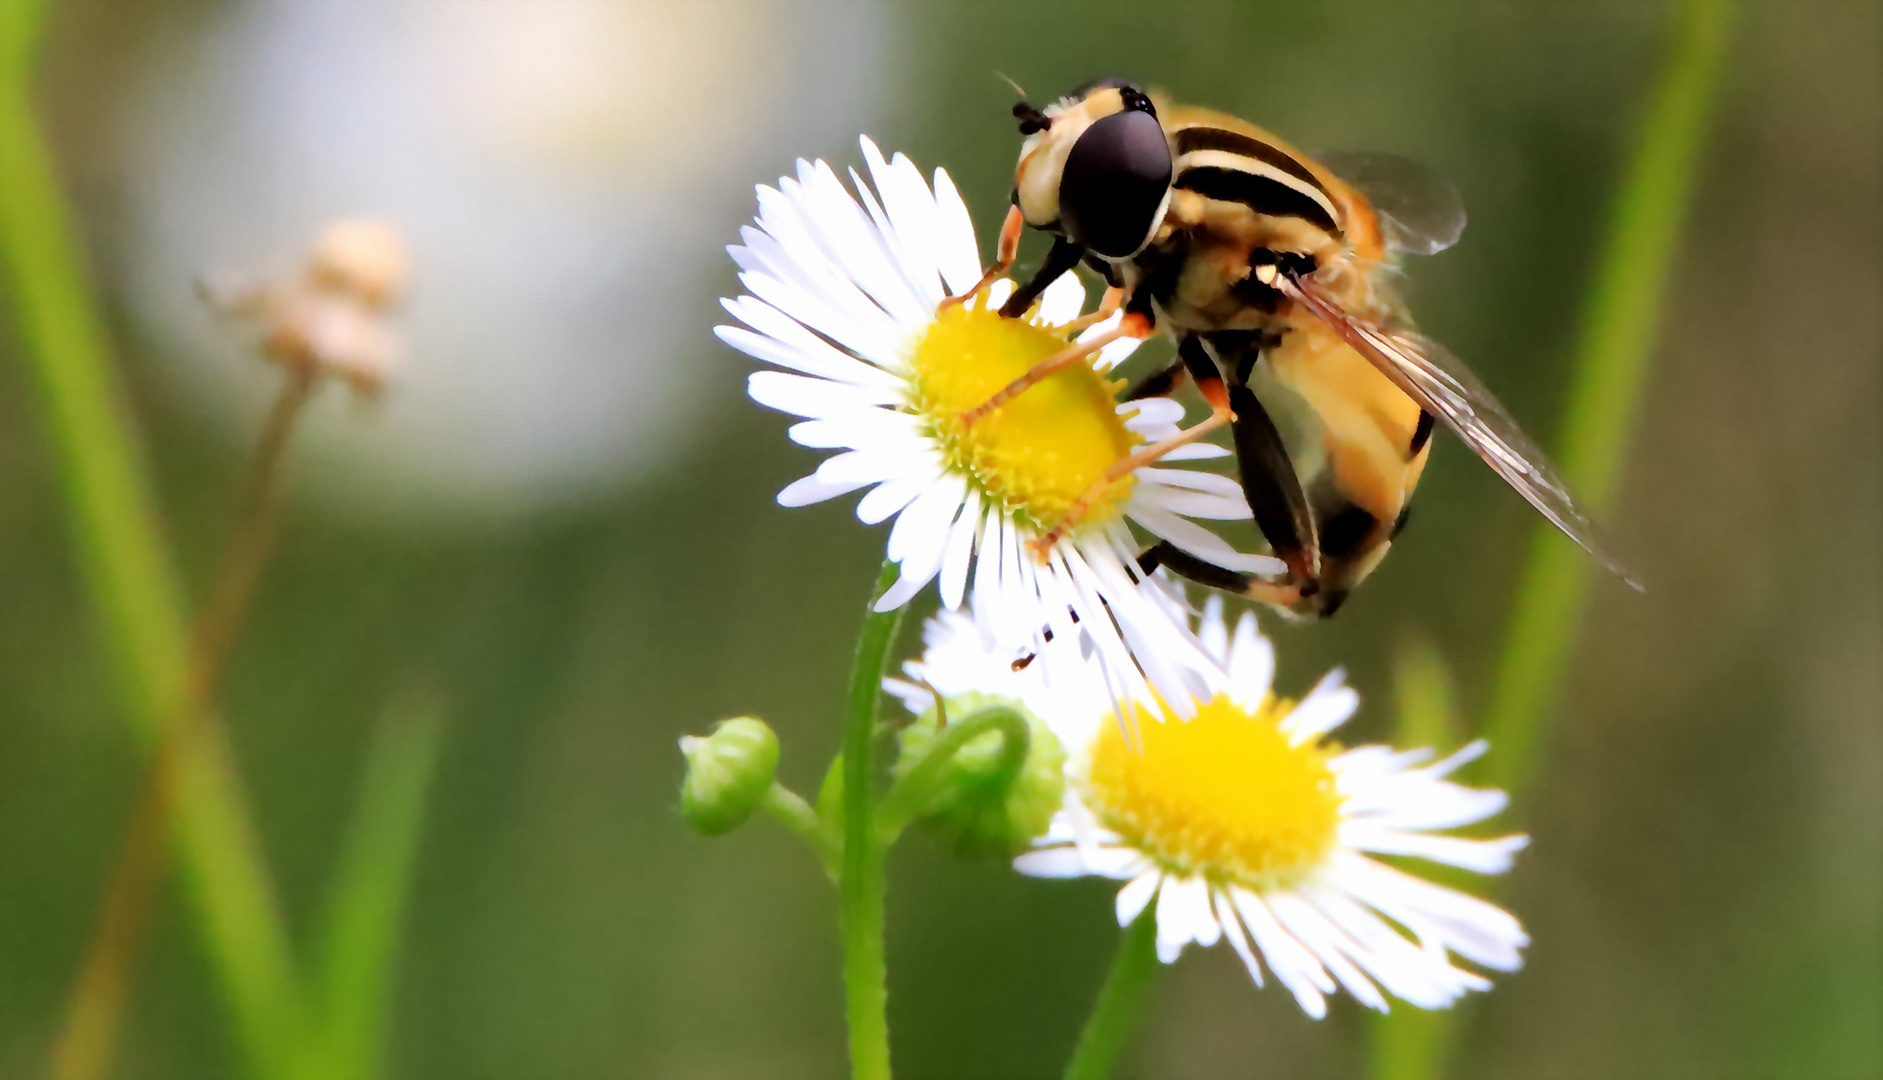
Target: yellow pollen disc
x=1039, y=452
x=1222, y=795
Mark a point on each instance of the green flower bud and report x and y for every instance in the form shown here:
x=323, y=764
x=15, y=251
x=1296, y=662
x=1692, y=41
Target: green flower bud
x=728, y=774
x=974, y=808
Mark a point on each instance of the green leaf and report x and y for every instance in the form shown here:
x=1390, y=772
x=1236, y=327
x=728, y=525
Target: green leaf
x=370, y=887
x=129, y=579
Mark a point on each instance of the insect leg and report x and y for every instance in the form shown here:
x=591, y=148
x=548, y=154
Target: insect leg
x=1107, y=307
x=1065, y=255
x=1158, y=384
x=1203, y=572
x=1007, y=250
x=1272, y=488
x=1208, y=380
x=1059, y=361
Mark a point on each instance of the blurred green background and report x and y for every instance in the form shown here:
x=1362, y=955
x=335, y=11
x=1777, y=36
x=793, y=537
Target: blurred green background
x=563, y=526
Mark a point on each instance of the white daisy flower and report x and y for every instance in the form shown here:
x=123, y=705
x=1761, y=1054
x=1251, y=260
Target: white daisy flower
x=1246, y=823
x=844, y=295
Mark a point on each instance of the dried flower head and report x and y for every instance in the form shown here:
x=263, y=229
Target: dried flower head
x=334, y=317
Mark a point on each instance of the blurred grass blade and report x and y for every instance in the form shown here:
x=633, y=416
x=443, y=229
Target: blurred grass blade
x=1409, y=1043
x=1425, y=696
x=360, y=943
x=127, y=575
x=97, y=464
x=1620, y=325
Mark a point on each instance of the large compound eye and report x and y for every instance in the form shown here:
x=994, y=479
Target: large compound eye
x=1114, y=182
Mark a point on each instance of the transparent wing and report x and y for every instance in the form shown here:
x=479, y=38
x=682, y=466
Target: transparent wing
x=1444, y=387
x=1420, y=211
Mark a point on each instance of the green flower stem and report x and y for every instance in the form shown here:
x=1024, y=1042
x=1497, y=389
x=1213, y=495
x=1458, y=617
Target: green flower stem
x=919, y=785
x=789, y=809
x=862, y=884
x=130, y=581
x=1620, y=325
x=1115, y=1013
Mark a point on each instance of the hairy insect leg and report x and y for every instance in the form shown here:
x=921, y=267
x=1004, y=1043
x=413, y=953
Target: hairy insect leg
x=1159, y=383
x=1045, y=369
x=1211, y=383
x=1185, y=565
x=1107, y=307
x=1006, y=251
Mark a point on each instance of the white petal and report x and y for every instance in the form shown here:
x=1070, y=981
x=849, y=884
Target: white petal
x=1178, y=916
x=1210, y=631
x=875, y=430
x=1200, y=542
x=912, y=211
x=844, y=369
x=1479, y=856
x=1478, y=931
x=814, y=398
x=987, y=565
x=840, y=313
x=891, y=496
x=1194, y=480
x=923, y=523
x=852, y=240
x=1404, y=969
x=1191, y=504
x=960, y=551
x=1328, y=944
x=1110, y=356
x=1136, y=894
x=870, y=468
x=918, y=538
x=811, y=490
x=1326, y=707
x=906, y=229
x=1251, y=663
x=1197, y=451
x=1062, y=301
x=1231, y=923
x=1294, y=967
x=1158, y=412
x=1204, y=928
x=1053, y=862
x=1122, y=863
x=955, y=249
x=813, y=354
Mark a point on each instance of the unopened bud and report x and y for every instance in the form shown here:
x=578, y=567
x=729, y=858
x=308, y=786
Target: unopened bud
x=728, y=774
x=975, y=807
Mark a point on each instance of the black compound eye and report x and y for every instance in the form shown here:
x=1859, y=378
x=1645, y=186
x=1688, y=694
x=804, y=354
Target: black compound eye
x=1114, y=181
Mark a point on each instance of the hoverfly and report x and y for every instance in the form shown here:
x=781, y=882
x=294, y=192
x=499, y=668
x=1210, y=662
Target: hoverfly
x=1273, y=272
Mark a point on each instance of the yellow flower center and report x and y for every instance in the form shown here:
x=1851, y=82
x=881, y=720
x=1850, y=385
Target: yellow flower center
x=1222, y=794
x=1036, y=454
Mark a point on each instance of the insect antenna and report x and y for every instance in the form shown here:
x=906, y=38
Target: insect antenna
x=1031, y=119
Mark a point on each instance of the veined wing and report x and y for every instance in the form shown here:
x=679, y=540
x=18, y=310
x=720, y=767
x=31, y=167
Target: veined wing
x=1420, y=211
x=1444, y=387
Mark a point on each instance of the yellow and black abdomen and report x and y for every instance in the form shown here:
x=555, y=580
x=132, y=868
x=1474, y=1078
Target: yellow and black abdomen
x=1358, y=445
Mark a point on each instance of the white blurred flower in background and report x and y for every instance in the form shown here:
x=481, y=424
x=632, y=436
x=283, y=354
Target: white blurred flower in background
x=563, y=171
